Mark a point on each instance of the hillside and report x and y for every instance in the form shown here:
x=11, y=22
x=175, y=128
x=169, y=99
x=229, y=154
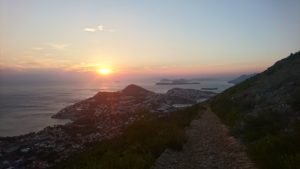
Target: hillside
x=264, y=113
x=241, y=78
x=129, y=100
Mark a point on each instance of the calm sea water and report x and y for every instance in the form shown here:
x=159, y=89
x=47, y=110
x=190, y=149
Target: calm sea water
x=25, y=109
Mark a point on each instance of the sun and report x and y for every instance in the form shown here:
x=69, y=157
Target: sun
x=104, y=71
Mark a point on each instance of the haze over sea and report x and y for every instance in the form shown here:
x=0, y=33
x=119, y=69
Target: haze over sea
x=28, y=108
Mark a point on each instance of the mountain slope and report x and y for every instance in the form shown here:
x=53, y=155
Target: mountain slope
x=241, y=78
x=264, y=113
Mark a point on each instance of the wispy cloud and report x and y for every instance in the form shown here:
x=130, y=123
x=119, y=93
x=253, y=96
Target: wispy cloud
x=38, y=48
x=99, y=28
x=58, y=46
x=89, y=29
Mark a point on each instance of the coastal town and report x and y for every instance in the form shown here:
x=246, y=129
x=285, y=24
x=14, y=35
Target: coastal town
x=100, y=117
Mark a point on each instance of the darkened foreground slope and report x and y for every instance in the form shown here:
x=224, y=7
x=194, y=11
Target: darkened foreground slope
x=264, y=113
x=139, y=144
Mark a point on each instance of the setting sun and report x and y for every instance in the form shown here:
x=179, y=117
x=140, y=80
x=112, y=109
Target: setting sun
x=104, y=71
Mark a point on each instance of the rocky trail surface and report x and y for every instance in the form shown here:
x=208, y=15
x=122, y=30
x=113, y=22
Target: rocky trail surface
x=209, y=146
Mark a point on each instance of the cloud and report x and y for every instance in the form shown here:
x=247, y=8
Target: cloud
x=38, y=48
x=89, y=29
x=99, y=28
x=44, y=47
x=58, y=46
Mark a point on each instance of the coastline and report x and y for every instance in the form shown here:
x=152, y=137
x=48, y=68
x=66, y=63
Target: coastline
x=90, y=125
x=29, y=108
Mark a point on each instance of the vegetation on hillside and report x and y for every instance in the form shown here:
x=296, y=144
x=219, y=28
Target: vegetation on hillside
x=139, y=145
x=263, y=112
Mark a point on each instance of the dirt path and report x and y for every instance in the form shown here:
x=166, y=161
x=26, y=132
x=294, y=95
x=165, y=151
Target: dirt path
x=209, y=146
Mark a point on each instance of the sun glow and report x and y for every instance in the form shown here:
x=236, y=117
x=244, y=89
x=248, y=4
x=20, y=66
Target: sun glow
x=104, y=71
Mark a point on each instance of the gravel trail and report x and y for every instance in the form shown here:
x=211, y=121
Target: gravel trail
x=209, y=146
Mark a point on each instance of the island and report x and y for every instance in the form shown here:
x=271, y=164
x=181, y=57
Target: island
x=176, y=82
x=209, y=88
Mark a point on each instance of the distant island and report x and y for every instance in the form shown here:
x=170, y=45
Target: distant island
x=176, y=82
x=209, y=88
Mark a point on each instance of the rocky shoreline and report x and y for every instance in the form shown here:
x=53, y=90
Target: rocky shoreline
x=100, y=117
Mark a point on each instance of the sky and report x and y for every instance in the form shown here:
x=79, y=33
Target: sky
x=146, y=38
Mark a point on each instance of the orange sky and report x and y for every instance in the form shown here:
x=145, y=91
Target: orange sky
x=147, y=38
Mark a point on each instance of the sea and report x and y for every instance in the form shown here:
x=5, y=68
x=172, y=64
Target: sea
x=28, y=108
